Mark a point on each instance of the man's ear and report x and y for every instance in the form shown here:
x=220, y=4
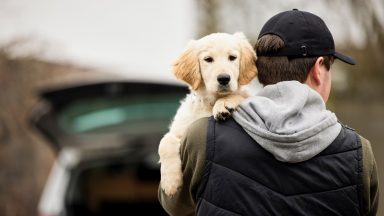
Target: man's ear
x=314, y=75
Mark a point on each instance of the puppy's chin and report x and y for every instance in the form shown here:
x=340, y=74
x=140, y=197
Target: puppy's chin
x=219, y=90
x=224, y=90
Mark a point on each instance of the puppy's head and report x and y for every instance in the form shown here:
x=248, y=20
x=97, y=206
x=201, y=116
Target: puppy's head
x=218, y=62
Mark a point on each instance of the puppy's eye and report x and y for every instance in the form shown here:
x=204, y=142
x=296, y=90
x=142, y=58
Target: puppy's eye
x=208, y=59
x=232, y=58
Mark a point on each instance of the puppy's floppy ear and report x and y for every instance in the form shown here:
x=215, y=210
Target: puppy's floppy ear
x=248, y=69
x=187, y=66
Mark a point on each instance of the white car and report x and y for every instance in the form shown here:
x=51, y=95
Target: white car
x=106, y=135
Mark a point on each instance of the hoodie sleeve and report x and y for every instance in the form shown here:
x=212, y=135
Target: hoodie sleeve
x=370, y=180
x=192, y=153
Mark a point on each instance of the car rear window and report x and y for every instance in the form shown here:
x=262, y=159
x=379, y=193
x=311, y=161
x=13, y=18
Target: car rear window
x=128, y=115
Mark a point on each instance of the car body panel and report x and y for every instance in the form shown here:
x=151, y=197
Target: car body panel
x=106, y=135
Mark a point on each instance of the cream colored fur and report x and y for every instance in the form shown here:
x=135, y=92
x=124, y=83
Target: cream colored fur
x=199, y=66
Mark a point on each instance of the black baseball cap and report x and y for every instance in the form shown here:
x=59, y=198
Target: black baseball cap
x=304, y=35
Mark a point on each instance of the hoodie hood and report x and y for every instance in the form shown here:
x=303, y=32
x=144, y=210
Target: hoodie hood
x=290, y=120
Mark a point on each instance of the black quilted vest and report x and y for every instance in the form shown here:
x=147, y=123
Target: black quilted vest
x=241, y=178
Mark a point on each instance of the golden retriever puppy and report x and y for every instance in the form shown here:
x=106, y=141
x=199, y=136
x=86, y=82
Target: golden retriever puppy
x=215, y=67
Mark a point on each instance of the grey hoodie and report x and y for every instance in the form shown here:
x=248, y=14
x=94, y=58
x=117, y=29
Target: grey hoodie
x=289, y=120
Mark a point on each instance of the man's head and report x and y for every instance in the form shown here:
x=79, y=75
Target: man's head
x=297, y=45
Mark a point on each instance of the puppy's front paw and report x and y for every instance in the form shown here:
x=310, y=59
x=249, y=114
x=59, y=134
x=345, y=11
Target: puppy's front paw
x=221, y=111
x=171, y=177
x=224, y=107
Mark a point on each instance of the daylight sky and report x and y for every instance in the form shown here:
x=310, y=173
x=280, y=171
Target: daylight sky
x=142, y=38
x=136, y=38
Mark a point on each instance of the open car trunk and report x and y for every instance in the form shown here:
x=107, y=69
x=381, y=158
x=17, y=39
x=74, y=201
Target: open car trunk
x=112, y=130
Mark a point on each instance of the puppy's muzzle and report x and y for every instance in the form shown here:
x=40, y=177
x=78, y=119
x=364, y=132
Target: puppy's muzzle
x=223, y=79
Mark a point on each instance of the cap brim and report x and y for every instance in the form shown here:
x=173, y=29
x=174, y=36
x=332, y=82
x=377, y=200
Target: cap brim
x=344, y=58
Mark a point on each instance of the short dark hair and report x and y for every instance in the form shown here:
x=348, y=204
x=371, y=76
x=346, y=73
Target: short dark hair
x=272, y=70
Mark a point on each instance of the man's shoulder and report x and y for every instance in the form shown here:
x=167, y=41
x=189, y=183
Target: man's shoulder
x=365, y=144
x=368, y=156
x=366, y=148
x=198, y=127
x=196, y=135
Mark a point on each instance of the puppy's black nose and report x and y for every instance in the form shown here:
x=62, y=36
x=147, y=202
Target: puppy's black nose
x=223, y=79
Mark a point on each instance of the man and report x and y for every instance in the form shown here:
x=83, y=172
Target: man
x=283, y=153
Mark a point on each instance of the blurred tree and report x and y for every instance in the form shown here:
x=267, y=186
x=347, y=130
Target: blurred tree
x=208, y=16
x=367, y=77
x=25, y=159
